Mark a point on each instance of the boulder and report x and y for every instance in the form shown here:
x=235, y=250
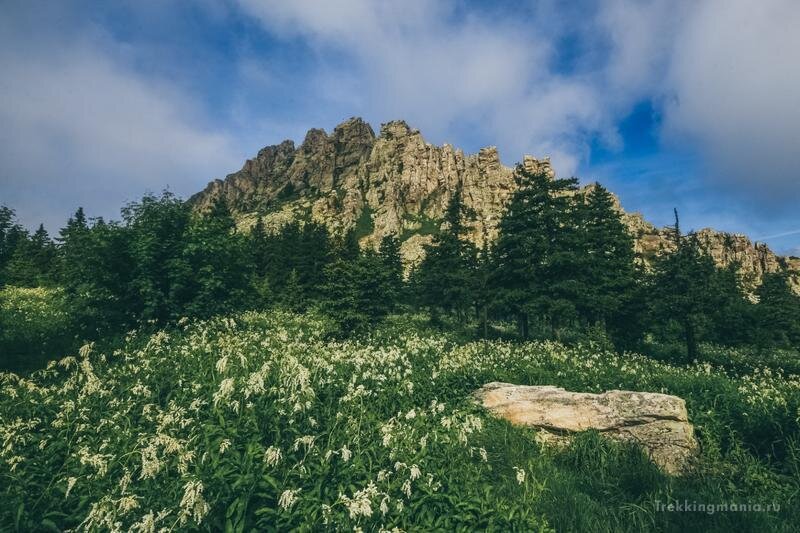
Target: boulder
x=658, y=422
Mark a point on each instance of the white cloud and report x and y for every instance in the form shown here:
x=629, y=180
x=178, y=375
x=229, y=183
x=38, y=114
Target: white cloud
x=82, y=128
x=426, y=63
x=80, y=120
x=724, y=72
x=735, y=74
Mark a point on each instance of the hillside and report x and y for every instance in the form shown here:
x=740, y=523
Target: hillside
x=257, y=422
x=397, y=183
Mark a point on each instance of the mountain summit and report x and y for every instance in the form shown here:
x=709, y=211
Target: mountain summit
x=397, y=183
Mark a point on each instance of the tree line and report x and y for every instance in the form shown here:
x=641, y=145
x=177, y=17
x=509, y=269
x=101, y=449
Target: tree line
x=562, y=265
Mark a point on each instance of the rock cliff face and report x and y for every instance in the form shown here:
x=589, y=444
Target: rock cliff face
x=396, y=183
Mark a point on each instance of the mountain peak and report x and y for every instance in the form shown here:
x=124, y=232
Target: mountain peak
x=397, y=184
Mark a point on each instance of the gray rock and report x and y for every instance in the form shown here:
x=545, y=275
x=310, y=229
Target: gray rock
x=658, y=422
x=406, y=184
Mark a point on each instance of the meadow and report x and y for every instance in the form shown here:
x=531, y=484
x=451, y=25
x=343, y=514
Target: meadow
x=263, y=421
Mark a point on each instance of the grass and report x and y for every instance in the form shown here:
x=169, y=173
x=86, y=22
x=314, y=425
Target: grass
x=259, y=421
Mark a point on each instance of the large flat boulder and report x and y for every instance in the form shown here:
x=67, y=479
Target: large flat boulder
x=658, y=422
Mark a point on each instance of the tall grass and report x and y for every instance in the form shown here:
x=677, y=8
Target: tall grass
x=258, y=421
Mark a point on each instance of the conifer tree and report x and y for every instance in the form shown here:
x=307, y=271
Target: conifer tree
x=681, y=289
x=732, y=316
x=355, y=292
x=535, y=261
x=11, y=235
x=157, y=228
x=777, y=313
x=444, y=279
x=607, y=274
x=259, y=247
x=33, y=262
x=482, y=289
x=214, y=252
x=392, y=264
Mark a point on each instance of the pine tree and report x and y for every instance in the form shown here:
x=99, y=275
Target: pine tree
x=217, y=260
x=162, y=280
x=482, y=288
x=535, y=261
x=355, y=293
x=33, y=262
x=681, y=289
x=348, y=248
x=777, y=313
x=731, y=318
x=607, y=275
x=259, y=248
x=11, y=235
x=96, y=275
x=392, y=264
x=444, y=278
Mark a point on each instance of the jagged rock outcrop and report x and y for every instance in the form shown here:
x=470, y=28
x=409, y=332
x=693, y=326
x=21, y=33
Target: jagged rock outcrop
x=396, y=183
x=657, y=422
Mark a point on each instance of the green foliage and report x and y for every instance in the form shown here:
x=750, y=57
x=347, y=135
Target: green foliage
x=683, y=291
x=25, y=260
x=214, y=277
x=607, y=276
x=444, y=280
x=364, y=224
x=359, y=293
x=392, y=264
x=257, y=422
x=777, y=313
x=536, y=266
x=35, y=326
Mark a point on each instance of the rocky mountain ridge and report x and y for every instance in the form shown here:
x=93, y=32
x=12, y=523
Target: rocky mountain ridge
x=397, y=183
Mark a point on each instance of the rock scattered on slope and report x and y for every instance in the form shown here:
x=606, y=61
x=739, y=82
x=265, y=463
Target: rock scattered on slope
x=658, y=422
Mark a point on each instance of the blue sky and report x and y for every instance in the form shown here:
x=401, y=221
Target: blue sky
x=669, y=103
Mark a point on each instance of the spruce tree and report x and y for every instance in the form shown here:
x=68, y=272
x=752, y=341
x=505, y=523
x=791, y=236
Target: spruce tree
x=11, y=235
x=535, y=254
x=444, y=278
x=355, y=292
x=162, y=278
x=392, y=265
x=214, y=252
x=33, y=262
x=607, y=275
x=681, y=289
x=482, y=289
x=731, y=318
x=777, y=313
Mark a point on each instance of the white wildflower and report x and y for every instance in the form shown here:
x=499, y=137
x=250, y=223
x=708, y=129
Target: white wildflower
x=70, y=483
x=226, y=388
x=384, y=505
x=272, y=456
x=288, y=498
x=307, y=441
x=127, y=504
x=406, y=488
x=193, y=504
x=86, y=350
x=224, y=445
x=346, y=453
x=520, y=475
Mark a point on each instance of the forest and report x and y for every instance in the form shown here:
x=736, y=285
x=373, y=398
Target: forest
x=563, y=267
